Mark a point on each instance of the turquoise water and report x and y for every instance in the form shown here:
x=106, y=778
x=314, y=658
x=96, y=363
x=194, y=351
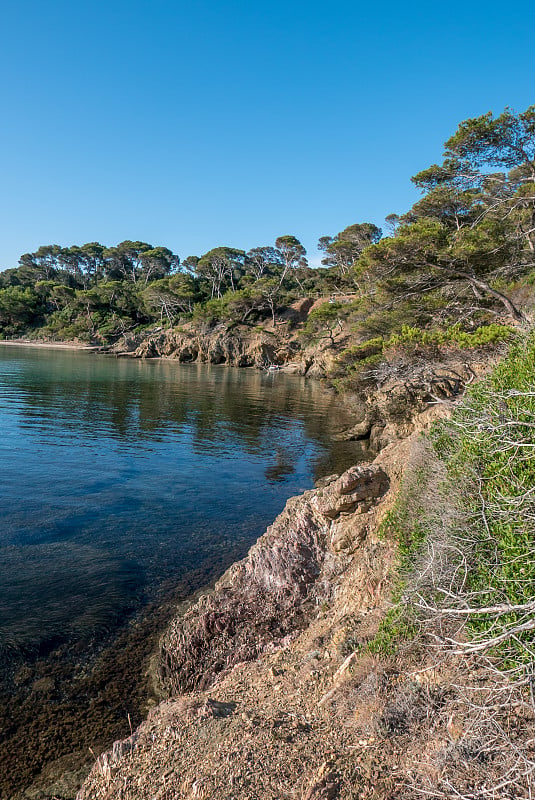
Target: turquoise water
x=124, y=486
x=117, y=476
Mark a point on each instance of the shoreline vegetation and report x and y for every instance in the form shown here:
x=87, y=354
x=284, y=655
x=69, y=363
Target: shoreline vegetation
x=377, y=642
x=50, y=345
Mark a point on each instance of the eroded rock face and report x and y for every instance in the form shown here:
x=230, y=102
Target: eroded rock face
x=283, y=723
x=358, y=486
x=253, y=349
x=272, y=593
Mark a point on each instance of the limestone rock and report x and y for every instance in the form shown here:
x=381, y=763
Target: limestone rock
x=359, y=485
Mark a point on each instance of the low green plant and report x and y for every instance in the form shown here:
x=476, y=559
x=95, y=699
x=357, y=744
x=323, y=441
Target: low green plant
x=407, y=524
x=489, y=449
x=398, y=626
x=322, y=321
x=354, y=364
x=454, y=335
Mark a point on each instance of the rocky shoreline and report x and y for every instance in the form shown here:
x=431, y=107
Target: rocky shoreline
x=254, y=668
x=384, y=410
x=265, y=599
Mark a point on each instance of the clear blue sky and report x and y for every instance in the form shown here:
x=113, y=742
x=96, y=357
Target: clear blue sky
x=203, y=123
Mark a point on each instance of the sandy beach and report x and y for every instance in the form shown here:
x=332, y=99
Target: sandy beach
x=49, y=345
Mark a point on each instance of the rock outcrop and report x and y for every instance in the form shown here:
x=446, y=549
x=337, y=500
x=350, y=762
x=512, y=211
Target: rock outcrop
x=243, y=347
x=251, y=668
x=275, y=591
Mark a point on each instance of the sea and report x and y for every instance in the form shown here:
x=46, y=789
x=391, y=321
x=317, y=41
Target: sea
x=126, y=486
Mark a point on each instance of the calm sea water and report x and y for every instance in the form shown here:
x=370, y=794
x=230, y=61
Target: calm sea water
x=119, y=477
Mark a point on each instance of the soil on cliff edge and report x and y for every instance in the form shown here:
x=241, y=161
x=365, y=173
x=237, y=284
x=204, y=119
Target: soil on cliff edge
x=279, y=705
x=275, y=690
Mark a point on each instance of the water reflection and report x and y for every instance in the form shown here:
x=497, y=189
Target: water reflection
x=282, y=467
x=118, y=476
x=135, y=401
x=120, y=481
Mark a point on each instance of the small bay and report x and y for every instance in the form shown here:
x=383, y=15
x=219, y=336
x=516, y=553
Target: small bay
x=121, y=480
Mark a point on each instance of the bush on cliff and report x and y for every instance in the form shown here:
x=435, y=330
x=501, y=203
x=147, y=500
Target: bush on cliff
x=480, y=516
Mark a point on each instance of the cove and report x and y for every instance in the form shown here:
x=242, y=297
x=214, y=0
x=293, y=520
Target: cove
x=126, y=485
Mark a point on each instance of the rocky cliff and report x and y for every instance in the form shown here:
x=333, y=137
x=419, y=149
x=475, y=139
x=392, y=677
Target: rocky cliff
x=388, y=405
x=254, y=669
x=271, y=689
x=233, y=345
x=266, y=599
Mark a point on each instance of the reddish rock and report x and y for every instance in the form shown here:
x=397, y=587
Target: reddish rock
x=274, y=591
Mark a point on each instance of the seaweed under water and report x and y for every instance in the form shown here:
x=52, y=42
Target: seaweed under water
x=125, y=486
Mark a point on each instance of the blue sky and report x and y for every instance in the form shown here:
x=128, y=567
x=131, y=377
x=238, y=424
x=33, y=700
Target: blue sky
x=205, y=123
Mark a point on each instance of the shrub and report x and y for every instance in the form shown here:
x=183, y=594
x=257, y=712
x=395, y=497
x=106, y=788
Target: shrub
x=489, y=449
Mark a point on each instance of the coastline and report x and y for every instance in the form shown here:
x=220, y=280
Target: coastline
x=312, y=605
x=50, y=345
x=253, y=665
x=267, y=674
x=46, y=683
x=278, y=350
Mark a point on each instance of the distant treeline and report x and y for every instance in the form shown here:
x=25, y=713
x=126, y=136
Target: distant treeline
x=451, y=260
x=97, y=292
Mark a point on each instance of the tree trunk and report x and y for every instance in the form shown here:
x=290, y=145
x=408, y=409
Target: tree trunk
x=477, y=283
x=506, y=301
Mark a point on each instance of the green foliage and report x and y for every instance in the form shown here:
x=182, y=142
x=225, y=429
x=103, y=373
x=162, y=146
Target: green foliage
x=484, y=335
x=353, y=364
x=209, y=313
x=322, y=322
x=384, y=320
x=172, y=297
x=101, y=314
x=489, y=447
x=398, y=626
x=361, y=353
x=507, y=140
x=343, y=250
x=406, y=520
x=66, y=330
x=327, y=312
x=19, y=307
x=407, y=524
